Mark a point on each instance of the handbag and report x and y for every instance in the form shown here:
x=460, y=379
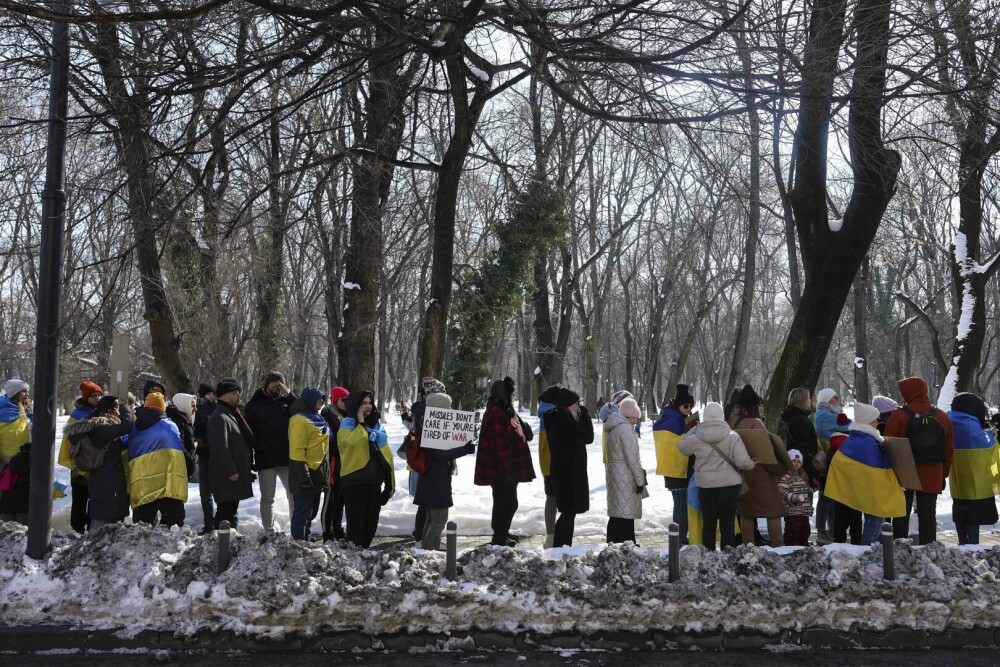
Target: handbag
x=745, y=485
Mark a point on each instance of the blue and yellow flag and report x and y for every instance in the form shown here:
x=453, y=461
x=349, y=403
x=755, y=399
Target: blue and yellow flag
x=975, y=467
x=860, y=476
x=668, y=430
x=544, y=457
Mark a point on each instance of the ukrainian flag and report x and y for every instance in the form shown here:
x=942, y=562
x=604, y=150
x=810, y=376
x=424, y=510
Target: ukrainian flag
x=861, y=477
x=975, y=467
x=544, y=457
x=15, y=427
x=667, y=433
x=156, y=464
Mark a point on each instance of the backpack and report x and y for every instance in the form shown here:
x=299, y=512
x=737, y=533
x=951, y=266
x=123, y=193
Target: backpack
x=86, y=455
x=416, y=456
x=927, y=437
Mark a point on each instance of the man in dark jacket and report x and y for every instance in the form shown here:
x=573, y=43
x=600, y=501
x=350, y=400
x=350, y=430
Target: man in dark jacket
x=570, y=430
x=267, y=413
x=230, y=443
x=504, y=460
x=333, y=498
x=206, y=406
x=932, y=475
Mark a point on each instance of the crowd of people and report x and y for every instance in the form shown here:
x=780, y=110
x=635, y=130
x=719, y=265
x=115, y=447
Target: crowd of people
x=723, y=468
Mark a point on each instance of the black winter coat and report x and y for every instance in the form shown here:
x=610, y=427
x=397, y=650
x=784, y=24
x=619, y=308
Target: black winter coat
x=186, y=428
x=15, y=501
x=108, y=486
x=268, y=419
x=333, y=418
x=434, y=486
x=230, y=454
x=568, y=440
x=201, y=417
x=802, y=436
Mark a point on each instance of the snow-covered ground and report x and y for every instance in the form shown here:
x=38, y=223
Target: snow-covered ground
x=473, y=503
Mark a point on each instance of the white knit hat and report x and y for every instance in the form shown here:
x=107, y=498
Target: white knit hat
x=714, y=413
x=794, y=454
x=865, y=414
x=825, y=395
x=13, y=387
x=628, y=408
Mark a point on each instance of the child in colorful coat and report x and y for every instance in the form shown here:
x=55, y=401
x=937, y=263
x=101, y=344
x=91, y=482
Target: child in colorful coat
x=797, y=495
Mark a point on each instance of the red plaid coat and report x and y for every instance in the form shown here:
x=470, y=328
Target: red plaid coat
x=503, y=456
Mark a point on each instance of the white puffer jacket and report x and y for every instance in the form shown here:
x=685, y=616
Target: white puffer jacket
x=623, y=469
x=711, y=471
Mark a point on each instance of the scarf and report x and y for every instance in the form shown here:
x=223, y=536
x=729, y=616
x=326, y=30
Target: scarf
x=241, y=422
x=835, y=408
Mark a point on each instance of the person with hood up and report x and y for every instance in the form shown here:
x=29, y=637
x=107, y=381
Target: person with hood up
x=368, y=477
x=570, y=430
x=309, y=441
x=974, y=479
x=157, y=470
x=267, y=413
x=720, y=459
x=434, y=486
x=503, y=460
x=83, y=407
x=203, y=412
x=15, y=419
x=676, y=468
x=861, y=478
x=230, y=446
x=932, y=474
x=182, y=410
x=108, y=486
x=547, y=401
x=333, y=499
x=763, y=499
x=624, y=474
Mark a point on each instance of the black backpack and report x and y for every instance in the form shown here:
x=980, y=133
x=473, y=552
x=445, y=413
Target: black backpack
x=927, y=437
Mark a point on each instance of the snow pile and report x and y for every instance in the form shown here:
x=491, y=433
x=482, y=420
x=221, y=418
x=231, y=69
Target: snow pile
x=138, y=577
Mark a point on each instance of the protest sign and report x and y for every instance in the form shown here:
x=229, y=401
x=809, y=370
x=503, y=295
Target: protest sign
x=119, y=367
x=901, y=459
x=447, y=429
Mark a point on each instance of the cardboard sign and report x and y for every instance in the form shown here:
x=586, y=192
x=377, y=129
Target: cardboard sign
x=767, y=448
x=119, y=367
x=447, y=429
x=901, y=459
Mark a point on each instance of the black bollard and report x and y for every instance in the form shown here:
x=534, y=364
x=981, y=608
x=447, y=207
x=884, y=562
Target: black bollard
x=222, y=564
x=451, y=567
x=674, y=552
x=888, y=557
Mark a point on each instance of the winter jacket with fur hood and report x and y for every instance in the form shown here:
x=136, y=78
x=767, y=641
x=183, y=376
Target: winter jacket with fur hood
x=711, y=471
x=623, y=469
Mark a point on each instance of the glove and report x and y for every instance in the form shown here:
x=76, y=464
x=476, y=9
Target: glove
x=387, y=496
x=639, y=489
x=470, y=447
x=843, y=421
x=253, y=477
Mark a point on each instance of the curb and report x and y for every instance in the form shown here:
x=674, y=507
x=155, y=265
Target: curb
x=35, y=639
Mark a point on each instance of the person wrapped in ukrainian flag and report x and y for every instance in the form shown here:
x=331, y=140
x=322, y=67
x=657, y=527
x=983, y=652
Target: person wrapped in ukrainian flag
x=860, y=477
x=547, y=401
x=975, y=468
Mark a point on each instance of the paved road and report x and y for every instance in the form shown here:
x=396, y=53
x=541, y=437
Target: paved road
x=793, y=658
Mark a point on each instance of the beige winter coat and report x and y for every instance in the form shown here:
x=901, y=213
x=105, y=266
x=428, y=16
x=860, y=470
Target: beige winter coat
x=711, y=471
x=623, y=469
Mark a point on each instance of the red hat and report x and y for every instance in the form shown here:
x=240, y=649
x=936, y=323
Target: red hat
x=88, y=388
x=338, y=393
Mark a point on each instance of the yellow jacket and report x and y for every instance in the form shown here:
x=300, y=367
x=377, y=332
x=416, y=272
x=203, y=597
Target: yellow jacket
x=307, y=442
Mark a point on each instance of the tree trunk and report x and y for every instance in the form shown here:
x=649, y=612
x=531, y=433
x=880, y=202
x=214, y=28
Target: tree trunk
x=832, y=258
x=271, y=260
x=862, y=387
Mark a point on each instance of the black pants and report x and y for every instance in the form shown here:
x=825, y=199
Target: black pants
x=171, y=511
x=846, y=518
x=565, y=524
x=226, y=511
x=362, y=504
x=420, y=523
x=926, y=517
x=621, y=530
x=504, y=506
x=79, y=517
x=718, y=511
x=333, y=513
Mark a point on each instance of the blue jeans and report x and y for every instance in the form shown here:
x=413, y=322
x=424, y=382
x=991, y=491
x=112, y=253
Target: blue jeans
x=680, y=515
x=301, y=515
x=872, y=530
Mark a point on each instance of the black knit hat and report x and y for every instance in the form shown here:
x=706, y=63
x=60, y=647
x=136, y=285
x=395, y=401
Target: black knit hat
x=550, y=395
x=567, y=397
x=683, y=396
x=151, y=386
x=970, y=404
x=227, y=385
x=205, y=389
x=748, y=398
